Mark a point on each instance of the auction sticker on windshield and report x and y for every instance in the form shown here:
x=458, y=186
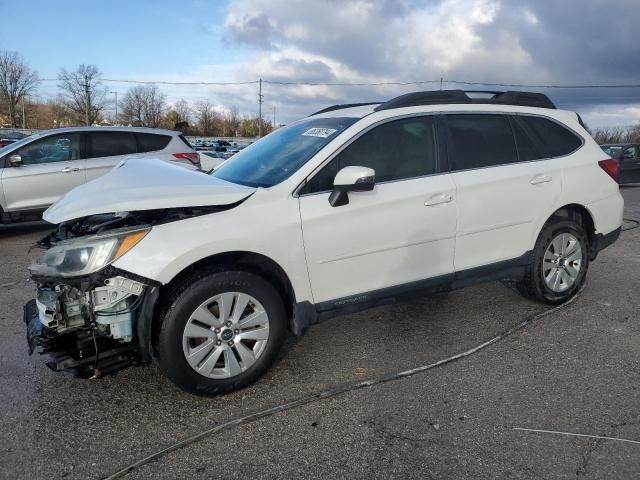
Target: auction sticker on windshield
x=319, y=132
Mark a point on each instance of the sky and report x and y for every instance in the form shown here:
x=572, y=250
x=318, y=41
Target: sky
x=541, y=42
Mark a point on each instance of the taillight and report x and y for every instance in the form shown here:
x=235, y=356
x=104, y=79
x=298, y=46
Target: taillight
x=193, y=157
x=612, y=167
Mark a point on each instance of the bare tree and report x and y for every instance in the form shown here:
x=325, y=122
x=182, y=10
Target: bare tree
x=209, y=120
x=84, y=94
x=143, y=106
x=16, y=81
x=132, y=106
x=155, y=107
x=232, y=122
x=183, y=111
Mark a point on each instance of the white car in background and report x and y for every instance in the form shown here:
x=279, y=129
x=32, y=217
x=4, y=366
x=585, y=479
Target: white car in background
x=39, y=169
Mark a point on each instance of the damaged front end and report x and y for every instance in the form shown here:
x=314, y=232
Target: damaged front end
x=89, y=317
x=91, y=328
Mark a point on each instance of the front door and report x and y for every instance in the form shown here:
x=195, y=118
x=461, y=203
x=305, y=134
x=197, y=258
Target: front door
x=402, y=231
x=51, y=166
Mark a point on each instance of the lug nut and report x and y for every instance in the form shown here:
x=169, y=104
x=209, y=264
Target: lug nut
x=217, y=330
x=230, y=343
x=236, y=332
x=228, y=324
x=218, y=342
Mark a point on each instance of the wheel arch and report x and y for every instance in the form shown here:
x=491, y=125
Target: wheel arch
x=578, y=213
x=247, y=261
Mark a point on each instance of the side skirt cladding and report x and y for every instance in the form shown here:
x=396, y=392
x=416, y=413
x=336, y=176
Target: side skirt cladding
x=307, y=314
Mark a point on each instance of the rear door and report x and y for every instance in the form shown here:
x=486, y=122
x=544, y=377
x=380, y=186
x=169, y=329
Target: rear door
x=504, y=184
x=51, y=166
x=105, y=149
x=630, y=165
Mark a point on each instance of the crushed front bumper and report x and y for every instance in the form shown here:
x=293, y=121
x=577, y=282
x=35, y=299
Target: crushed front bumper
x=93, y=327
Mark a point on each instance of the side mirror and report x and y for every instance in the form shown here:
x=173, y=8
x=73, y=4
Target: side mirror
x=351, y=179
x=15, y=160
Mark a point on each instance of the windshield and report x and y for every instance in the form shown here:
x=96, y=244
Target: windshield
x=280, y=154
x=613, y=151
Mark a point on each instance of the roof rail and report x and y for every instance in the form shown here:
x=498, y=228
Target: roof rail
x=440, y=97
x=341, y=106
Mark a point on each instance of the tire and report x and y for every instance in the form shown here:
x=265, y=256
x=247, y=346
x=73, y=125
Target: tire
x=542, y=276
x=234, y=349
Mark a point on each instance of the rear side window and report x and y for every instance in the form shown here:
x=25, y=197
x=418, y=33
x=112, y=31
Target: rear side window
x=150, y=142
x=108, y=144
x=479, y=140
x=555, y=139
x=396, y=150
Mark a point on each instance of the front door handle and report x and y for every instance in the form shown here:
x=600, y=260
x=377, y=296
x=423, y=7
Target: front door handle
x=540, y=179
x=69, y=169
x=438, y=199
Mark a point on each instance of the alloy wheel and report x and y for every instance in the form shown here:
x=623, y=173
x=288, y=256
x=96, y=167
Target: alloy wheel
x=225, y=335
x=562, y=262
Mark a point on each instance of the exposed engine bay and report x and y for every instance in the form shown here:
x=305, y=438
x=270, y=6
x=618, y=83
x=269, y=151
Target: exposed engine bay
x=89, y=332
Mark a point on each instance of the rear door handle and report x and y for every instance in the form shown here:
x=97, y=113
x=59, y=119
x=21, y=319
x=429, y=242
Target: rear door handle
x=438, y=199
x=540, y=179
x=69, y=169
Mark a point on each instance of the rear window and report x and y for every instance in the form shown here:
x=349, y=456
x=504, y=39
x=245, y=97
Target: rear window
x=479, y=140
x=555, y=139
x=109, y=144
x=150, y=142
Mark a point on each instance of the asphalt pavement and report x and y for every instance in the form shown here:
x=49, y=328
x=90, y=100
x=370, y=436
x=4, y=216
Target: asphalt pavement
x=574, y=370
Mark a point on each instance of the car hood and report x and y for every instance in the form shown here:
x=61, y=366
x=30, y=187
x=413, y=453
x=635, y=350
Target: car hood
x=145, y=184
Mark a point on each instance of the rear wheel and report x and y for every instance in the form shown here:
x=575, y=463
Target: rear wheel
x=559, y=265
x=221, y=333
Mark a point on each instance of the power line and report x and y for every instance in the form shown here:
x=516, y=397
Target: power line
x=364, y=84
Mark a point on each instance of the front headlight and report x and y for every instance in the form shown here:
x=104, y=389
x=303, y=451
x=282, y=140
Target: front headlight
x=85, y=255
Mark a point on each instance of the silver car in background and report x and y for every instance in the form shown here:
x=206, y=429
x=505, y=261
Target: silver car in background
x=39, y=169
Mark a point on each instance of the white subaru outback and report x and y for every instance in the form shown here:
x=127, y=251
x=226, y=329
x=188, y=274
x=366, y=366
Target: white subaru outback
x=352, y=207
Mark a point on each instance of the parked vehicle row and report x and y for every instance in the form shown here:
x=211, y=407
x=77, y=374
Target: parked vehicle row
x=352, y=207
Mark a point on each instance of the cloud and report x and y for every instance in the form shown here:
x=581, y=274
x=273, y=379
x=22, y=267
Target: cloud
x=494, y=41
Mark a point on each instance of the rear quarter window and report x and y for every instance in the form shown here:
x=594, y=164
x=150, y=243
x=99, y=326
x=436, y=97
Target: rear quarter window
x=151, y=142
x=555, y=140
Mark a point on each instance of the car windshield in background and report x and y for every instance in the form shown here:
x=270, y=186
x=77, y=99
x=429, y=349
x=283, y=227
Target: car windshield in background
x=612, y=150
x=22, y=141
x=277, y=156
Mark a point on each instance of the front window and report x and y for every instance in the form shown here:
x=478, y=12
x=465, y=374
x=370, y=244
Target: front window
x=280, y=154
x=54, y=148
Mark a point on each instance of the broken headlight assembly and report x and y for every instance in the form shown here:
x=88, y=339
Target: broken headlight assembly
x=86, y=255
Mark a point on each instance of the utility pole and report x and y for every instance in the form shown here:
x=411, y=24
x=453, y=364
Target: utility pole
x=274, y=117
x=24, y=123
x=86, y=100
x=440, y=83
x=260, y=100
x=115, y=120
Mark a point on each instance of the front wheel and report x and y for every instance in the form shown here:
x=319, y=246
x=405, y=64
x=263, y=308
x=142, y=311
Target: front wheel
x=559, y=265
x=221, y=333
